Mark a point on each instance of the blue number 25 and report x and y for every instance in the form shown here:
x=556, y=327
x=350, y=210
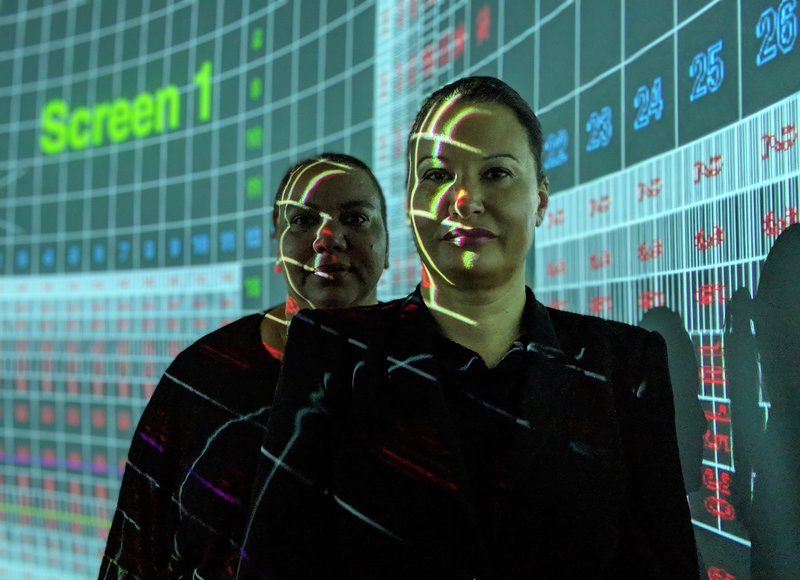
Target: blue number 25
x=708, y=71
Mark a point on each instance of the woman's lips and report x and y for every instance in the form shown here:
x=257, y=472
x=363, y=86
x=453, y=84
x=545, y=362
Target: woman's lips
x=331, y=271
x=469, y=237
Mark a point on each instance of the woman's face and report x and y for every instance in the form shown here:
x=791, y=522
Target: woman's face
x=474, y=197
x=331, y=237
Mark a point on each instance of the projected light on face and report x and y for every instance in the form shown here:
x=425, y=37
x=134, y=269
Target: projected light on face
x=331, y=237
x=473, y=197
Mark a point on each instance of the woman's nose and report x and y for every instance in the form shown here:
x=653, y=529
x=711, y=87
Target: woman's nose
x=329, y=238
x=465, y=203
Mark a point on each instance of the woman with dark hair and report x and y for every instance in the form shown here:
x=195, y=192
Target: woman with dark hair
x=466, y=431
x=185, y=492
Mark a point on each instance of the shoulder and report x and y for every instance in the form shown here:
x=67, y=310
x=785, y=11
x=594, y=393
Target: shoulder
x=236, y=343
x=338, y=338
x=228, y=369
x=360, y=320
x=614, y=348
x=575, y=325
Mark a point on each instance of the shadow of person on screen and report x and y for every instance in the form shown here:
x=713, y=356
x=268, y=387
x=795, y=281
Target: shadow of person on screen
x=775, y=517
x=690, y=422
x=747, y=418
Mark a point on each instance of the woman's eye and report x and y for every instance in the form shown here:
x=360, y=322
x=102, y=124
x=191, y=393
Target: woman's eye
x=302, y=220
x=497, y=173
x=355, y=219
x=436, y=175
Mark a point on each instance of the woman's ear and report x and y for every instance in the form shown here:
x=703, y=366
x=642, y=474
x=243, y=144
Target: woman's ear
x=544, y=199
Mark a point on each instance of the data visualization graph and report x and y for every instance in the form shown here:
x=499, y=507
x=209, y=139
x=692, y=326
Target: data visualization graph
x=81, y=356
x=140, y=145
x=141, y=142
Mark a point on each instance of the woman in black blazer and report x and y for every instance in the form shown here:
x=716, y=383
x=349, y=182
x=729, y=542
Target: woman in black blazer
x=184, y=498
x=467, y=431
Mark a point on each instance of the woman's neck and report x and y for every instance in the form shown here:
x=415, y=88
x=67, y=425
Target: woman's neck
x=486, y=321
x=275, y=327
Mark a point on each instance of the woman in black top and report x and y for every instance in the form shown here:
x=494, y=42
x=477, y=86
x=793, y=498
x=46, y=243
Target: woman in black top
x=467, y=431
x=185, y=492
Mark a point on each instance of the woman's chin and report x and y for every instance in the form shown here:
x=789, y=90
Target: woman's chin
x=338, y=296
x=470, y=273
x=334, y=299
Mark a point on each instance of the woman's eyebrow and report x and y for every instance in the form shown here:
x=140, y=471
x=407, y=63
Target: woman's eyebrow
x=292, y=204
x=498, y=155
x=432, y=158
x=485, y=158
x=357, y=203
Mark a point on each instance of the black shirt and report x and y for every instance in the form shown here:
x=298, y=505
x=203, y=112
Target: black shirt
x=484, y=405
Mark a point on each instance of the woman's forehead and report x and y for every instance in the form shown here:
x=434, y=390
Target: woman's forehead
x=332, y=187
x=476, y=132
x=450, y=115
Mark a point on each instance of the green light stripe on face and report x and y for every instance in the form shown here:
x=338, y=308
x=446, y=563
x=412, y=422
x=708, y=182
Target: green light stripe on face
x=299, y=173
x=439, y=112
x=428, y=127
x=295, y=178
x=314, y=182
x=450, y=128
x=441, y=138
x=281, y=258
x=297, y=263
x=468, y=259
x=422, y=213
x=439, y=196
x=433, y=305
x=427, y=257
x=293, y=203
x=446, y=135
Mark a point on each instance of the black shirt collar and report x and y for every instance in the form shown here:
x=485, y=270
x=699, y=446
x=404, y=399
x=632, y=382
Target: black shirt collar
x=537, y=328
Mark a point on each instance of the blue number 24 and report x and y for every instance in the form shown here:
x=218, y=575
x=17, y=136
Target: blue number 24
x=649, y=102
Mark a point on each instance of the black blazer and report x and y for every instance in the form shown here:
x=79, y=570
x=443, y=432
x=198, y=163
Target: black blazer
x=184, y=499
x=361, y=474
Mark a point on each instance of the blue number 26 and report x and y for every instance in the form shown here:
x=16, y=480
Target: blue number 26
x=778, y=31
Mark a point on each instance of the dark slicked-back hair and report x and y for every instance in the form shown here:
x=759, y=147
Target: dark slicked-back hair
x=341, y=158
x=487, y=90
